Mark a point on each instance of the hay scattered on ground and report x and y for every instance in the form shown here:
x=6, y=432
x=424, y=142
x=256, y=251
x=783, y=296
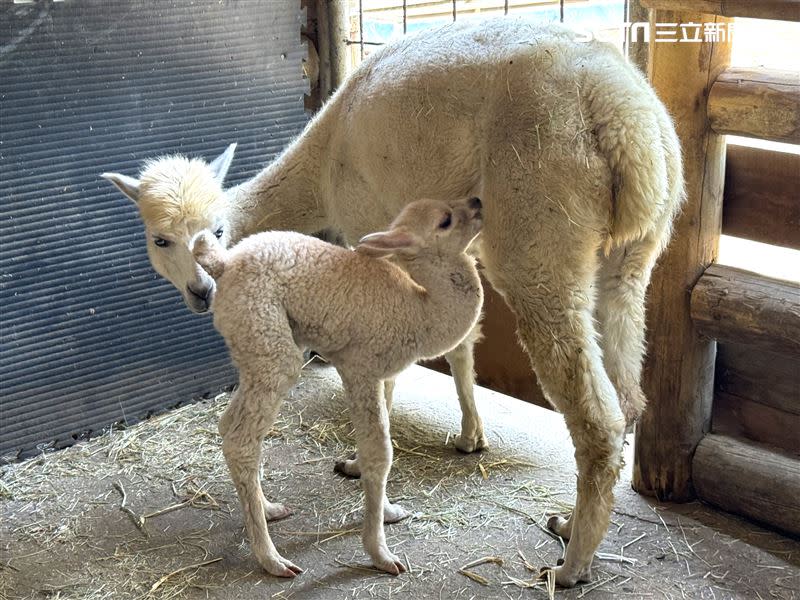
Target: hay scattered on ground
x=49, y=507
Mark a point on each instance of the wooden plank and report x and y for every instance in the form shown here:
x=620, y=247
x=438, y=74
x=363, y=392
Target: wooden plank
x=769, y=379
x=741, y=417
x=679, y=368
x=759, y=103
x=761, y=196
x=749, y=479
x=740, y=306
x=782, y=10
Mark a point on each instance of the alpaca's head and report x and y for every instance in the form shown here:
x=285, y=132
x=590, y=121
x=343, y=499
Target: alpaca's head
x=428, y=228
x=178, y=197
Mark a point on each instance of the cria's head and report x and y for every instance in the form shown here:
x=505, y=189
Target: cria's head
x=178, y=197
x=427, y=228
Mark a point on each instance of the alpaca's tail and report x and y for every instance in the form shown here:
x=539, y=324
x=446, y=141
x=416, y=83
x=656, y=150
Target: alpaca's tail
x=636, y=135
x=209, y=254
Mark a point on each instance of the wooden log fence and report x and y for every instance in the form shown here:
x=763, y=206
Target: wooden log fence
x=748, y=460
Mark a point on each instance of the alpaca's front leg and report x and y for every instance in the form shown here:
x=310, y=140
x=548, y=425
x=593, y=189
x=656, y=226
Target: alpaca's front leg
x=462, y=367
x=371, y=422
x=350, y=467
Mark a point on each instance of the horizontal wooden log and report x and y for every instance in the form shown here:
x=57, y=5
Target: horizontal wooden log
x=749, y=479
x=782, y=10
x=740, y=417
x=759, y=103
x=761, y=200
x=739, y=306
x=763, y=377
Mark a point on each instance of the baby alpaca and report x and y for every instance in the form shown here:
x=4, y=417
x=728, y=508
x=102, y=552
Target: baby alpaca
x=279, y=292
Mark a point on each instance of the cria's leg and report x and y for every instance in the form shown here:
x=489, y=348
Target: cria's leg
x=560, y=526
x=349, y=467
x=462, y=365
x=267, y=371
x=371, y=422
x=273, y=511
x=622, y=283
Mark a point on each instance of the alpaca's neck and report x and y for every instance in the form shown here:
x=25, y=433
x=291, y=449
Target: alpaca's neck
x=285, y=195
x=453, y=294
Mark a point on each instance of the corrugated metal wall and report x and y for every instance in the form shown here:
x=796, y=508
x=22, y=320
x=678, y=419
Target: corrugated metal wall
x=89, y=335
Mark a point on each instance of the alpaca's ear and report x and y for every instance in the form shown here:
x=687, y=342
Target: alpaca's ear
x=127, y=185
x=222, y=163
x=386, y=243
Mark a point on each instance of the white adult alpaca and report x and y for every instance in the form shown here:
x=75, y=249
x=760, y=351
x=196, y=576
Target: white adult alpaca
x=579, y=170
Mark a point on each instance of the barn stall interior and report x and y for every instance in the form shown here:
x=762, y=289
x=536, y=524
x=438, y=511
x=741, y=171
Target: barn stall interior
x=101, y=358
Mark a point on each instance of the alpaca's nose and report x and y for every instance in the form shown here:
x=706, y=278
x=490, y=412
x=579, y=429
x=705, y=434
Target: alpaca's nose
x=475, y=203
x=201, y=293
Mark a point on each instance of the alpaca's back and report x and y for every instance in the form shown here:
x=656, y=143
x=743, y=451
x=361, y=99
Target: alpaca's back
x=435, y=113
x=332, y=296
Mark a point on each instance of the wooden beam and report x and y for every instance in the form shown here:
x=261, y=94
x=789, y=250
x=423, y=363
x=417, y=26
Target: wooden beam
x=769, y=379
x=744, y=418
x=750, y=480
x=739, y=306
x=759, y=103
x=761, y=196
x=679, y=369
x=782, y=10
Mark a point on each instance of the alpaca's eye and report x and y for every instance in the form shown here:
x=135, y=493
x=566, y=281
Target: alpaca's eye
x=218, y=233
x=448, y=219
x=161, y=242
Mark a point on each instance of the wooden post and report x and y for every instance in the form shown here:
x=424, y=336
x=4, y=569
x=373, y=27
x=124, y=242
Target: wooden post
x=333, y=33
x=679, y=370
x=636, y=47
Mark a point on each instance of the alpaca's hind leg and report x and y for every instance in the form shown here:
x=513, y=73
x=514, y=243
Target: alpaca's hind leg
x=551, y=294
x=267, y=371
x=568, y=364
x=273, y=511
x=462, y=367
x=371, y=422
x=622, y=284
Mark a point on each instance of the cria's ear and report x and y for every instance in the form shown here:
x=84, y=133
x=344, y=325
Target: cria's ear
x=127, y=185
x=385, y=243
x=222, y=163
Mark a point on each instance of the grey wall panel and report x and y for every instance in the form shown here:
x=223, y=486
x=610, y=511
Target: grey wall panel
x=89, y=336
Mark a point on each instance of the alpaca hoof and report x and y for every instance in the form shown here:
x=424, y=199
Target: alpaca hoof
x=280, y=567
x=275, y=512
x=560, y=526
x=389, y=563
x=349, y=467
x=394, y=513
x=470, y=444
x=566, y=578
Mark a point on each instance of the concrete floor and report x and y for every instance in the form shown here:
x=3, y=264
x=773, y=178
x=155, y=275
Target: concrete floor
x=63, y=535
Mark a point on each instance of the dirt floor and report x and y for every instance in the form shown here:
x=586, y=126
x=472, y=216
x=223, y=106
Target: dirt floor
x=64, y=536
